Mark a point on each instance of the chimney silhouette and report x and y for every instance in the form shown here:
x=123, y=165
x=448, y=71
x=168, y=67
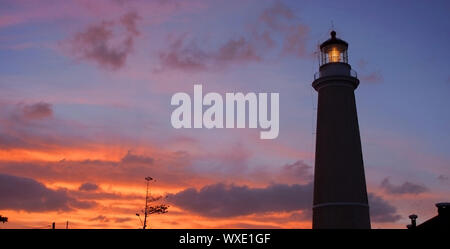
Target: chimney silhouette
x=413, y=218
x=340, y=195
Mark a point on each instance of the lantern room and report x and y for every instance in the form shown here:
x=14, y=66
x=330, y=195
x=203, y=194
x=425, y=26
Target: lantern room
x=333, y=50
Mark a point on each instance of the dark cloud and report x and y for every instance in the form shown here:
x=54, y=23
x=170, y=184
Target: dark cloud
x=298, y=170
x=101, y=195
x=37, y=111
x=405, y=188
x=381, y=210
x=122, y=220
x=277, y=20
x=19, y=193
x=104, y=219
x=99, y=42
x=242, y=225
x=131, y=158
x=100, y=218
x=220, y=200
x=88, y=187
x=442, y=178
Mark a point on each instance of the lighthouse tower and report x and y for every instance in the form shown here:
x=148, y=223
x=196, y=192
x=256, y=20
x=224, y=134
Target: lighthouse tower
x=340, y=195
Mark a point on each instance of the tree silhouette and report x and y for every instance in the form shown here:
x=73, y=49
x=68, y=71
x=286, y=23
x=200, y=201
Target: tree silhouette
x=148, y=210
x=3, y=219
x=158, y=209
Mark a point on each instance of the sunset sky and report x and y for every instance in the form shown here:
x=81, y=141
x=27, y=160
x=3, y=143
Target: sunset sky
x=85, y=89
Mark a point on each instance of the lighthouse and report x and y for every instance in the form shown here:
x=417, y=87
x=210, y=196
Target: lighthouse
x=340, y=194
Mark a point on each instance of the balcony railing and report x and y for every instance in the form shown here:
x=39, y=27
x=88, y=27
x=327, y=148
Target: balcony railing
x=352, y=74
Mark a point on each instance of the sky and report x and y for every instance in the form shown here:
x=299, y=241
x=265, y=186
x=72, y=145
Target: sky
x=85, y=90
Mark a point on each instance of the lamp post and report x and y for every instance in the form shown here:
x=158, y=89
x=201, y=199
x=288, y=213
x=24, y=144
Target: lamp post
x=147, y=179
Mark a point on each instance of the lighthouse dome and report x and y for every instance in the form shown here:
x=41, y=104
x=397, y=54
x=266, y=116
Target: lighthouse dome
x=333, y=50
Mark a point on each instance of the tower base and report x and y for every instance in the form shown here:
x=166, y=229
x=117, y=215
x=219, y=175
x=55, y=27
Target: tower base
x=341, y=217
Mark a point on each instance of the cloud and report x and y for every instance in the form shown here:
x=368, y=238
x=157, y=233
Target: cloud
x=280, y=17
x=101, y=195
x=243, y=225
x=362, y=63
x=20, y=122
x=297, y=170
x=99, y=42
x=277, y=20
x=183, y=57
x=122, y=220
x=37, y=111
x=220, y=200
x=169, y=168
x=131, y=158
x=100, y=218
x=33, y=126
x=374, y=77
x=366, y=76
x=19, y=193
x=442, y=178
x=272, y=15
x=105, y=219
x=295, y=42
x=88, y=187
x=237, y=50
x=129, y=22
x=381, y=210
x=189, y=57
x=405, y=188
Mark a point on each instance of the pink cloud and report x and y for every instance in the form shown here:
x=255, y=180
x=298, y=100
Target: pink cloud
x=275, y=14
x=295, y=34
x=278, y=20
x=374, y=77
x=98, y=42
x=38, y=111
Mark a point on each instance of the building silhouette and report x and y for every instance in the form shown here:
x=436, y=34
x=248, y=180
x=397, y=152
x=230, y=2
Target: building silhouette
x=438, y=222
x=340, y=195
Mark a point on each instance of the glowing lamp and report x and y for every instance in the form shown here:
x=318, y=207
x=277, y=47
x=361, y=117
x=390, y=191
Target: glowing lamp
x=333, y=50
